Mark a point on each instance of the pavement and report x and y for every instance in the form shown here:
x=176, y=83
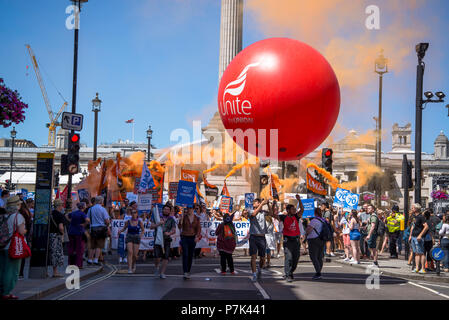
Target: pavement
x=35, y=289
x=397, y=268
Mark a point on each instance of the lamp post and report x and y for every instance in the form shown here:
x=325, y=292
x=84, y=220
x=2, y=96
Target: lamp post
x=13, y=137
x=421, y=49
x=380, y=67
x=149, y=136
x=96, y=107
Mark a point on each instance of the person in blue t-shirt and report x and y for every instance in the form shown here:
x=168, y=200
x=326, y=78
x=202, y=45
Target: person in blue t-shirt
x=77, y=239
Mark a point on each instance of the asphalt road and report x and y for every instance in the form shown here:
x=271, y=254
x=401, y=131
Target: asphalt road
x=340, y=282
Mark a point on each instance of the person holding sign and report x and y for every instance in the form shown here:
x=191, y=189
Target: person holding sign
x=257, y=231
x=293, y=231
x=168, y=225
x=190, y=228
x=135, y=232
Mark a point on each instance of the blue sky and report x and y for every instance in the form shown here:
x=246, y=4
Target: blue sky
x=157, y=62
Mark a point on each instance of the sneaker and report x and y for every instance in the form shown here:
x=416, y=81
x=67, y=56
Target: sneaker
x=317, y=277
x=162, y=276
x=120, y=260
x=289, y=279
x=423, y=271
x=375, y=263
x=415, y=271
x=130, y=271
x=185, y=276
x=125, y=260
x=352, y=260
x=157, y=273
x=332, y=254
x=278, y=256
x=346, y=259
x=254, y=278
x=357, y=262
x=89, y=262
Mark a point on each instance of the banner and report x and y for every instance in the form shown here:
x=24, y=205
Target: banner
x=249, y=199
x=340, y=196
x=309, y=208
x=314, y=185
x=226, y=204
x=186, y=193
x=172, y=190
x=144, y=203
x=189, y=175
x=147, y=241
x=351, y=201
x=224, y=191
x=211, y=190
x=209, y=239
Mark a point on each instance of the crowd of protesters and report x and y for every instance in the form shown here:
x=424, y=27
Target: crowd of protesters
x=275, y=229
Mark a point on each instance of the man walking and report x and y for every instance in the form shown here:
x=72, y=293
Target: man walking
x=364, y=216
x=257, y=241
x=292, y=232
x=316, y=245
x=162, y=251
x=393, y=226
x=371, y=239
x=99, y=219
x=419, y=229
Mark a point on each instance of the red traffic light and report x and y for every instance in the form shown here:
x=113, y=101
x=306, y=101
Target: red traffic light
x=328, y=153
x=75, y=137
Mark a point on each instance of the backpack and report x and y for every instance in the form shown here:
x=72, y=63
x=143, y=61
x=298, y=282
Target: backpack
x=4, y=231
x=326, y=233
x=227, y=232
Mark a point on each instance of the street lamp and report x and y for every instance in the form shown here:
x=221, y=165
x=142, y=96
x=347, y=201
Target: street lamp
x=96, y=107
x=149, y=136
x=421, y=52
x=13, y=137
x=380, y=67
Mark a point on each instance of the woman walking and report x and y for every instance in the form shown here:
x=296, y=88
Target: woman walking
x=190, y=228
x=344, y=225
x=135, y=232
x=9, y=268
x=354, y=237
x=270, y=239
x=56, y=253
x=226, y=242
x=77, y=239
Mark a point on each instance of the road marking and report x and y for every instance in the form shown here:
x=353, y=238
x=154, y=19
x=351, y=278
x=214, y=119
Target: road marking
x=261, y=290
x=89, y=283
x=428, y=289
x=434, y=285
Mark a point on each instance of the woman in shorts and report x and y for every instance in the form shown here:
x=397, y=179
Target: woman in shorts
x=135, y=232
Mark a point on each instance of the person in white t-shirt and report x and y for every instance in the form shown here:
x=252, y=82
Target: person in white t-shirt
x=344, y=224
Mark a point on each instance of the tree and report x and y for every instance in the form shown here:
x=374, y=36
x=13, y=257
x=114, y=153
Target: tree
x=12, y=109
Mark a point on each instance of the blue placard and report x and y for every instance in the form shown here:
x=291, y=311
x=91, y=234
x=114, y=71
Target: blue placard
x=340, y=196
x=121, y=245
x=351, y=201
x=437, y=254
x=309, y=208
x=186, y=193
x=249, y=199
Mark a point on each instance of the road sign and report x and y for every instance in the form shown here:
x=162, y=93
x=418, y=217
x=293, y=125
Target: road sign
x=437, y=254
x=72, y=121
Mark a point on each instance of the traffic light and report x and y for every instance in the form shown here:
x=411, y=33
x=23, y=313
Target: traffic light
x=407, y=173
x=56, y=184
x=291, y=170
x=326, y=159
x=64, y=165
x=73, y=156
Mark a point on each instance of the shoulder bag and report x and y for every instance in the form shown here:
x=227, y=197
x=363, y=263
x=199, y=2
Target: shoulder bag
x=18, y=249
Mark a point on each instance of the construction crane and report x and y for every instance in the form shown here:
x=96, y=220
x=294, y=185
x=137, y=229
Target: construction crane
x=53, y=119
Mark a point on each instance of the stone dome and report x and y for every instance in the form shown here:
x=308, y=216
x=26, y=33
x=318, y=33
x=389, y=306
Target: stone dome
x=441, y=139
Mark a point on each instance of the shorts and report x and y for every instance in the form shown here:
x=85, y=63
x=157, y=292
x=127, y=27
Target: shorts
x=417, y=246
x=97, y=243
x=158, y=250
x=372, y=242
x=278, y=237
x=133, y=238
x=346, y=240
x=257, y=245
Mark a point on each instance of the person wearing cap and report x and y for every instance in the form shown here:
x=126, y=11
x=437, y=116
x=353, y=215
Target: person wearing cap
x=393, y=227
x=9, y=268
x=56, y=253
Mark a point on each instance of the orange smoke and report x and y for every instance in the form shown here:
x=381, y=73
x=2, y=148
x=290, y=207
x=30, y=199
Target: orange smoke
x=246, y=163
x=211, y=169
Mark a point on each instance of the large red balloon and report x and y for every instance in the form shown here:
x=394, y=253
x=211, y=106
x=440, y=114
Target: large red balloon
x=283, y=84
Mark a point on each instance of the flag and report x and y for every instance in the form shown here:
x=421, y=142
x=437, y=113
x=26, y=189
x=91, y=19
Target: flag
x=224, y=191
x=211, y=190
x=146, y=179
x=63, y=195
x=129, y=121
x=314, y=185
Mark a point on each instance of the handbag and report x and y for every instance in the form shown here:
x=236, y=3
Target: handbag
x=18, y=248
x=354, y=234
